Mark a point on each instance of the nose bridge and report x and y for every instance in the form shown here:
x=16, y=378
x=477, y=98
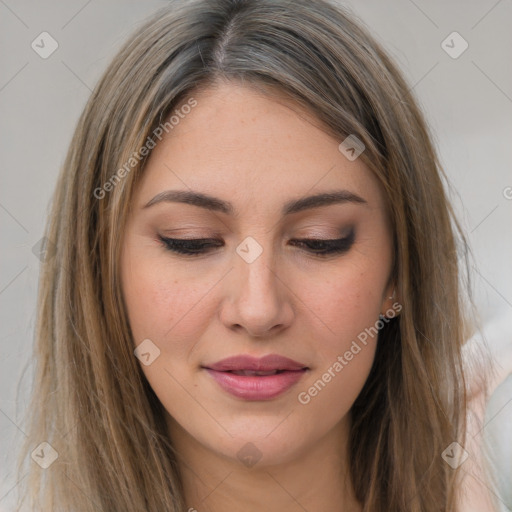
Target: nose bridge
x=256, y=264
x=258, y=302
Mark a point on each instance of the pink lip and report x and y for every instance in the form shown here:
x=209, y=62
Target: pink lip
x=256, y=388
x=264, y=387
x=246, y=362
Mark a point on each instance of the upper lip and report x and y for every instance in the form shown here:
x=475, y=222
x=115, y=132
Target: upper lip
x=245, y=362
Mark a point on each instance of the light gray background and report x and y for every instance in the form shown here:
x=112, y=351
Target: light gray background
x=467, y=101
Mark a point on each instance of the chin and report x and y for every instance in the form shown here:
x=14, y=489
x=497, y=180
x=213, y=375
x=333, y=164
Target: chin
x=260, y=442
x=262, y=451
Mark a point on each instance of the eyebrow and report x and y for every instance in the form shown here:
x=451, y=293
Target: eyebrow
x=219, y=205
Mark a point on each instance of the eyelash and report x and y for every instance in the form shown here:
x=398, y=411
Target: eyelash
x=196, y=247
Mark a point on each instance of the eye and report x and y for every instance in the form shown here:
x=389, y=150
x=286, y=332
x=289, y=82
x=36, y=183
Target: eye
x=199, y=246
x=190, y=247
x=327, y=247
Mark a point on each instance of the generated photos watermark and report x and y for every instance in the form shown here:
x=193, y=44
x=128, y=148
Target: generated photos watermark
x=144, y=150
x=304, y=397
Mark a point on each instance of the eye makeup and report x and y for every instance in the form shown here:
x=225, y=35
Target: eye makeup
x=318, y=247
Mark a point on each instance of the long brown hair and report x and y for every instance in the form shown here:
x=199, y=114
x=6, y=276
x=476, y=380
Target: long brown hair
x=91, y=402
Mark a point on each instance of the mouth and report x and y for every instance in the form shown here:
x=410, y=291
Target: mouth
x=246, y=362
x=256, y=373
x=254, y=379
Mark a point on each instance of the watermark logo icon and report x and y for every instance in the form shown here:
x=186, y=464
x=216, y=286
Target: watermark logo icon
x=249, y=455
x=454, y=45
x=249, y=249
x=455, y=455
x=44, y=45
x=146, y=352
x=44, y=249
x=44, y=455
x=352, y=147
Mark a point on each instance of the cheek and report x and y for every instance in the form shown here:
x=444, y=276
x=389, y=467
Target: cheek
x=347, y=303
x=349, y=308
x=162, y=305
x=333, y=388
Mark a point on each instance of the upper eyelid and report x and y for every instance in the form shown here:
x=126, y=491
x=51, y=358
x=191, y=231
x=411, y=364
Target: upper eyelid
x=334, y=245
x=347, y=239
x=337, y=233
x=213, y=239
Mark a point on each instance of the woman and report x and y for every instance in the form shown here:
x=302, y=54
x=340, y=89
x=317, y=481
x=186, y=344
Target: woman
x=255, y=303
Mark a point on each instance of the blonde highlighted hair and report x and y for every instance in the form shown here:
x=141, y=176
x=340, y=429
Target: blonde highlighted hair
x=91, y=401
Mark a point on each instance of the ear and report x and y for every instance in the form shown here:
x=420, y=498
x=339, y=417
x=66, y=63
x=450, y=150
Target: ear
x=391, y=305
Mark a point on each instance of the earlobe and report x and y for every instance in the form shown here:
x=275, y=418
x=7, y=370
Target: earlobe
x=393, y=309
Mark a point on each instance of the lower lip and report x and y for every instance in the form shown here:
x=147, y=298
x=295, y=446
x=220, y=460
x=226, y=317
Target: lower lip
x=264, y=387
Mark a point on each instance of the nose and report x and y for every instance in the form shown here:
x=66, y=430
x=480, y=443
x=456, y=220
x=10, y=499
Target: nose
x=257, y=299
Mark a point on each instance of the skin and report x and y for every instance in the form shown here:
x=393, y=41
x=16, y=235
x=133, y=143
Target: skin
x=242, y=146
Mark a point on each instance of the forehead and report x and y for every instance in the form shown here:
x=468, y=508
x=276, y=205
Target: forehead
x=251, y=148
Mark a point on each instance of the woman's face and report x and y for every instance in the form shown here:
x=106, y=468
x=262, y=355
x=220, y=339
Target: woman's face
x=254, y=289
